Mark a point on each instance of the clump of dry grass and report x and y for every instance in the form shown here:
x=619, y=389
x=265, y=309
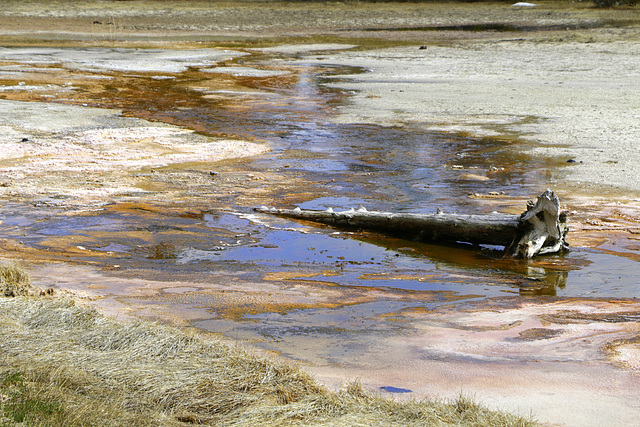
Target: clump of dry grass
x=74, y=366
x=14, y=281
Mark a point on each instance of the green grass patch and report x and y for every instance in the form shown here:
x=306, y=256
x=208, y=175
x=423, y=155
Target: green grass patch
x=22, y=402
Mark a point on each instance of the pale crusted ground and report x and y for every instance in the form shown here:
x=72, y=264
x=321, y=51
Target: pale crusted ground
x=86, y=157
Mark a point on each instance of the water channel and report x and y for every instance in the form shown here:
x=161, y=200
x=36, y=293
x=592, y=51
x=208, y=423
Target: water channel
x=214, y=237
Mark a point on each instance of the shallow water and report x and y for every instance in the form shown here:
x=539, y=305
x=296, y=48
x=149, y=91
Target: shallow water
x=320, y=164
x=173, y=242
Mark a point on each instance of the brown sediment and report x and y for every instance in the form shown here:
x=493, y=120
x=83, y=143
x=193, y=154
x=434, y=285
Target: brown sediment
x=228, y=305
x=289, y=275
x=288, y=296
x=611, y=227
x=227, y=101
x=566, y=317
x=588, y=329
x=547, y=311
x=533, y=334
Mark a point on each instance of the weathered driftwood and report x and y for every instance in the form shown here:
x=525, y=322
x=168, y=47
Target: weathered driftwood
x=541, y=229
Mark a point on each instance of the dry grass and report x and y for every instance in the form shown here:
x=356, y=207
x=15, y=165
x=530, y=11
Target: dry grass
x=65, y=364
x=14, y=281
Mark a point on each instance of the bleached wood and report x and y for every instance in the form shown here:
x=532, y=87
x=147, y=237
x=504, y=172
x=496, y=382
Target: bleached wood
x=540, y=229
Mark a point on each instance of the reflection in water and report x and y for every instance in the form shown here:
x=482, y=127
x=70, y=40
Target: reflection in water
x=541, y=276
x=137, y=237
x=407, y=169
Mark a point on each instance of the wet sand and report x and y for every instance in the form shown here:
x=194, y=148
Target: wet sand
x=553, y=93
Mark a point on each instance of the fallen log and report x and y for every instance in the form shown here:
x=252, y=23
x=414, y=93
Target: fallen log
x=541, y=229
